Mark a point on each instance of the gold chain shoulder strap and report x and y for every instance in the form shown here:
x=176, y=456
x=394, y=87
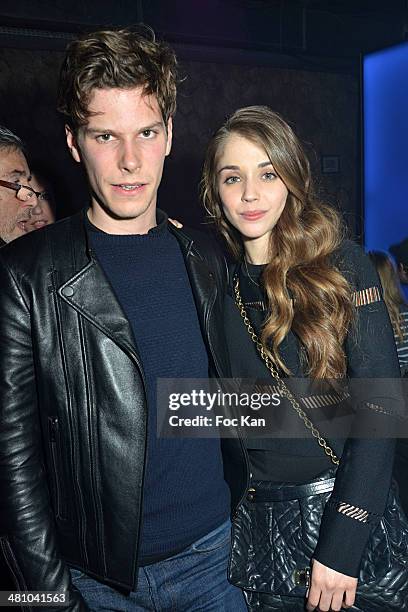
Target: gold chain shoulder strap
x=283, y=389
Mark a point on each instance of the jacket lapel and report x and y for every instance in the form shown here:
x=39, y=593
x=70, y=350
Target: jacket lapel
x=205, y=293
x=201, y=279
x=89, y=292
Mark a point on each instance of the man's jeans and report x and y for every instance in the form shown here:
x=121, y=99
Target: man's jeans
x=193, y=580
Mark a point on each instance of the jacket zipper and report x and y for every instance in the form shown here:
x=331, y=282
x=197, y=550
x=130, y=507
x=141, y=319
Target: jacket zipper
x=142, y=374
x=53, y=425
x=95, y=496
x=73, y=451
x=14, y=568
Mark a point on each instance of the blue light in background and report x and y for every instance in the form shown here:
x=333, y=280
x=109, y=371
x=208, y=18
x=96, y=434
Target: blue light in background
x=385, y=76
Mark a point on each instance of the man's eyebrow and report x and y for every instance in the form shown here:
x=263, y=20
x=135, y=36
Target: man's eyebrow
x=15, y=173
x=261, y=165
x=154, y=125
x=97, y=130
x=101, y=130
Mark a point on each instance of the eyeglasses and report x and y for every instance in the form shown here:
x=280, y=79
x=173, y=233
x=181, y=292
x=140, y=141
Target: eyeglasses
x=24, y=192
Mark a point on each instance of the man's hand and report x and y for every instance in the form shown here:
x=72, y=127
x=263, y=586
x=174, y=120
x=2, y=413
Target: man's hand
x=329, y=590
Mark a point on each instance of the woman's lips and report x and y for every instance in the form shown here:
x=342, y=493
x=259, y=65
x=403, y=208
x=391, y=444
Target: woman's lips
x=253, y=215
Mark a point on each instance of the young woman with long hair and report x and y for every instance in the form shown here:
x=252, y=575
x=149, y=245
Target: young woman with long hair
x=396, y=304
x=312, y=301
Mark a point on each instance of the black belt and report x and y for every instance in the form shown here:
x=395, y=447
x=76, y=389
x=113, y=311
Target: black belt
x=264, y=491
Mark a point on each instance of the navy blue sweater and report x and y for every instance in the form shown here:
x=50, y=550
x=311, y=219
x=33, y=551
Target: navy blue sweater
x=185, y=494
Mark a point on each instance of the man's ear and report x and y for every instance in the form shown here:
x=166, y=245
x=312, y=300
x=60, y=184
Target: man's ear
x=169, y=135
x=72, y=144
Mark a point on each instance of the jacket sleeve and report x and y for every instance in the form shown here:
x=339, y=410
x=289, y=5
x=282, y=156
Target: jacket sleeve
x=364, y=474
x=27, y=533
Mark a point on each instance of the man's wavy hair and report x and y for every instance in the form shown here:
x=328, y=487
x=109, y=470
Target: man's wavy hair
x=306, y=293
x=122, y=59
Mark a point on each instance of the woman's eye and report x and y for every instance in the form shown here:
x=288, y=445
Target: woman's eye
x=104, y=137
x=231, y=180
x=269, y=176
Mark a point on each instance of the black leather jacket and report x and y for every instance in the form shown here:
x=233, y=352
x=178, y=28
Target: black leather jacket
x=73, y=414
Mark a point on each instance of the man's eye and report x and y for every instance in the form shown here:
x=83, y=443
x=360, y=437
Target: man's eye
x=269, y=176
x=231, y=180
x=104, y=137
x=148, y=133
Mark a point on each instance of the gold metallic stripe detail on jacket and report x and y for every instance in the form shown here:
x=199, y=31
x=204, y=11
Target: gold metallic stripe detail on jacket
x=366, y=296
x=328, y=399
x=376, y=407
x=259, y=305
x=353, y=512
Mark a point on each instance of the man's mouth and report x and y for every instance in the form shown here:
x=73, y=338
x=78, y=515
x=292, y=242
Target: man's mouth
x=39, y=223
x=128, y=187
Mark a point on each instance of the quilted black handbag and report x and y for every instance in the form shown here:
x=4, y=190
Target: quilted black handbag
x=276, y=529
x=275, y=534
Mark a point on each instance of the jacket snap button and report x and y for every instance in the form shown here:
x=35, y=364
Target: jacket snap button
x=251, y=494
x=68, y=291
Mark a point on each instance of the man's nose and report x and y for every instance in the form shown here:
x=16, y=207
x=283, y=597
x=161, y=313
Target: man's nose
x=36, y=209
x=27, y=197
x=130, y=157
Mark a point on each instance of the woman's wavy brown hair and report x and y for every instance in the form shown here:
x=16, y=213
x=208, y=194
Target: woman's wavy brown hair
x=306, y=292
x=393, y=296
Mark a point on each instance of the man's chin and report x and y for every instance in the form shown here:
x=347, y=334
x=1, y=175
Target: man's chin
x=13, y=236
x=126, y=210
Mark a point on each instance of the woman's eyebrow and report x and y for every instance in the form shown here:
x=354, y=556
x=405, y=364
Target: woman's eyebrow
x=261, y=165
x=228, y=168
x=264, y=164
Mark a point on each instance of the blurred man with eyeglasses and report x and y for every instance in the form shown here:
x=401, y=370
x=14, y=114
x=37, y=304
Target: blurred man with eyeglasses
x=17, y=201
x=18, y=196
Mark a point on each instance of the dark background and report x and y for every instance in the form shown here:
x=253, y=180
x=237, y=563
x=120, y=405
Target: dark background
x=301, y=57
